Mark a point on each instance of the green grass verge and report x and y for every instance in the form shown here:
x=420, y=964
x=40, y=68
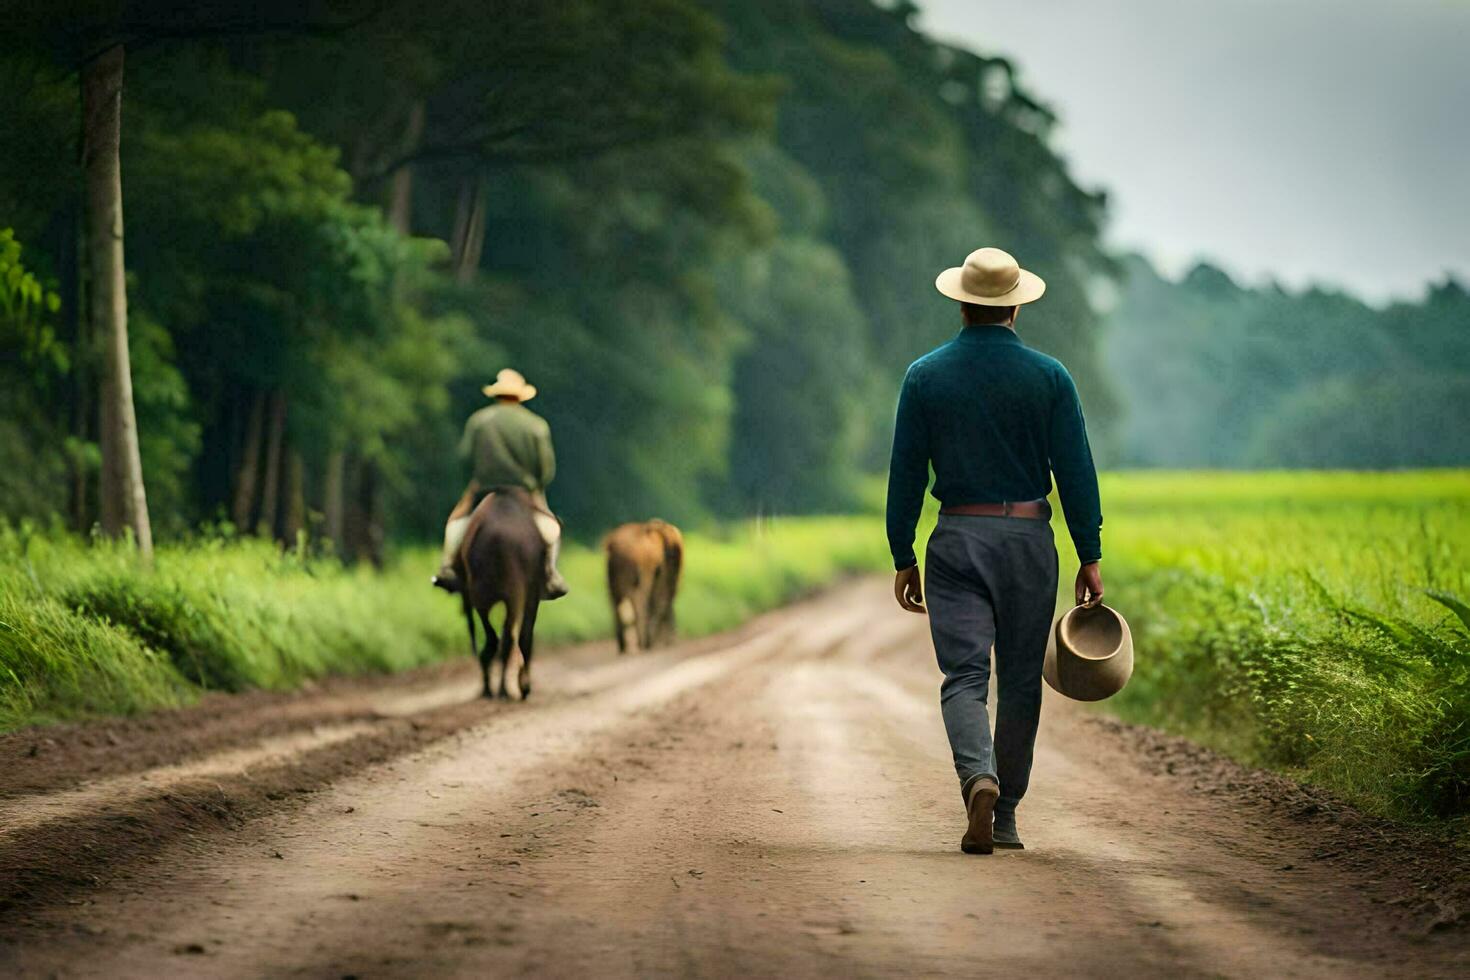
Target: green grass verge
x=1304, y=621
x=85, y=630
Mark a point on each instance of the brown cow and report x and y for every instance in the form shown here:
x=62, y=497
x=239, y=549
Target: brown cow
x=643, y=565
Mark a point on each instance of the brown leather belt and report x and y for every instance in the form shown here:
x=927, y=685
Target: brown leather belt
x=1036, y=510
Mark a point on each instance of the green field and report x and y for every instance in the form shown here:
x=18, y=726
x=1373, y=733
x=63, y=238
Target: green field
x=1312, y=622
x=85, y=630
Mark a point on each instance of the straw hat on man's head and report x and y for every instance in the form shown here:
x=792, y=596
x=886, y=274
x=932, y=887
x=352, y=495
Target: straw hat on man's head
x=1089, y=655
x=510, y=384
x=990, y=277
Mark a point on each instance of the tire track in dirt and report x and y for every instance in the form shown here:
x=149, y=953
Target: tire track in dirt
x=26, y=813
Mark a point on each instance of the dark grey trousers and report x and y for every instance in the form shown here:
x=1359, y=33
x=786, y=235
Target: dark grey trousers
x=991, y=581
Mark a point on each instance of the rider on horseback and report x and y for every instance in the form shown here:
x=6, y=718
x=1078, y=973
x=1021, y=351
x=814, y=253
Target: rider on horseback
x=508, y=445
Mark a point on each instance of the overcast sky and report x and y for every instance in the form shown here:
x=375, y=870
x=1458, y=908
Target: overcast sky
x=1313, y=140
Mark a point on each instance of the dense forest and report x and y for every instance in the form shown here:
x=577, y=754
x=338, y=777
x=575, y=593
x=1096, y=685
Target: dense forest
x=705, y=229
x=1213, y=373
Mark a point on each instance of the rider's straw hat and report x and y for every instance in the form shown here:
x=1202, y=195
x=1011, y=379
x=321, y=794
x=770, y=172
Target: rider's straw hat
x=1089, y=655
x=510, y=382
x=990, y=277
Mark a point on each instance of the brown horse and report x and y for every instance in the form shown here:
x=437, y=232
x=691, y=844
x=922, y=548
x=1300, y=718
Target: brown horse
x=644, y=561
x=503, y=560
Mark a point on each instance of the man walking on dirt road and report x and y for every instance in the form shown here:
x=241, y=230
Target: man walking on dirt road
x=995, y=419
x=507, y=445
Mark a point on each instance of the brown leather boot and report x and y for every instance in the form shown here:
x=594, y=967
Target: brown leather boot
x=980, y=805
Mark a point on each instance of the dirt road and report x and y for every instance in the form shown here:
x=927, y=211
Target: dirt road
x=778, y=801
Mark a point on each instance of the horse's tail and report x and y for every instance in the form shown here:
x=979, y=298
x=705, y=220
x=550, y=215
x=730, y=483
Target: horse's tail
x=515, y=620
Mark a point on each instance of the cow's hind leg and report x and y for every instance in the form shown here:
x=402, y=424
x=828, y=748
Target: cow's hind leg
x=617, y=610
x=527, y=641
x=625, y=621
x=487, y=652
x=668, y=628
x=645, y=606
x=661, y=610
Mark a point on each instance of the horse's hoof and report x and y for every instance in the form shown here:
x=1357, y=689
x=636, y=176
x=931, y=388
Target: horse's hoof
x=487, y=695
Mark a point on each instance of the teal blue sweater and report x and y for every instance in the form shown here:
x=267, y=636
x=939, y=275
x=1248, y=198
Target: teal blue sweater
x=996, y=419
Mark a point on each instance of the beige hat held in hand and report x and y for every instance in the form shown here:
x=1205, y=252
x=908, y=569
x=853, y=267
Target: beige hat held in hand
x=1089, y=655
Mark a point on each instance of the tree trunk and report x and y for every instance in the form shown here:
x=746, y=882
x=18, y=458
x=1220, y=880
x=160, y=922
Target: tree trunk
x=463, y=205
x=353, y=521
x=333, y=484
x=400, y=201
x=247, y=476
x=293, y=521
x=83, y=359
x=370, y=500
x=270, y=493
x=123, y=500
x=469, y=228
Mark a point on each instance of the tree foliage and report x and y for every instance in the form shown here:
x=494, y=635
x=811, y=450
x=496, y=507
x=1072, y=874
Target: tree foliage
x=26, y=308
x=706, y=229
x=1218, y=374
x=33, y=365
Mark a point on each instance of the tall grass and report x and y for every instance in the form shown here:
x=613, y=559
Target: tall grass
x=86, y=630
x=1310, y=621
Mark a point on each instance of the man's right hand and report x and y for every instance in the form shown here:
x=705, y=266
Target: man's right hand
x=909, y=590
x=1089, y=588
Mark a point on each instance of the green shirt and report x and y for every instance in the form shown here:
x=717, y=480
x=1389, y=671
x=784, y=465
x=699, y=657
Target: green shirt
x=509, y=446
x=996, y=420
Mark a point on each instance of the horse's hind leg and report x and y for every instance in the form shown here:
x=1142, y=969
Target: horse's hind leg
x=469, y=618
x=527, y=641
x=509, y=636
x=487, y=652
